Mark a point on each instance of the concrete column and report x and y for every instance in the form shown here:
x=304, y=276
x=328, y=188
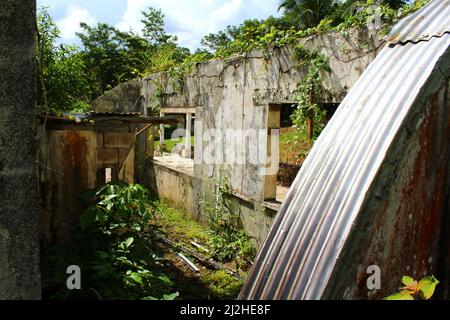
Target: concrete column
x=161, y=130
x=188, y=135
x=19, y=244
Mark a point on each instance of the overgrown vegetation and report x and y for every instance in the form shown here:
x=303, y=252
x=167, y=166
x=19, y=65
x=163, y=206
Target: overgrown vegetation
x=308, y=116
x=71, y=77
x=228, y=241
x=118, y=252
x=121, y=256
x=215, y=284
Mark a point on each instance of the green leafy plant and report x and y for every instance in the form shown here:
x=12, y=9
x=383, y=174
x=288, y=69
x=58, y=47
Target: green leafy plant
x=116, y=248
x=413, y=289
x=124, y=243
x=228, y=242
x=308, y=115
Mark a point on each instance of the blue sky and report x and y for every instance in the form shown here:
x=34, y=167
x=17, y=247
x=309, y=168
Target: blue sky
x=190, y=20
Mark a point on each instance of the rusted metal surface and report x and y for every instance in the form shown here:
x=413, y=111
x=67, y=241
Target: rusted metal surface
x=373, y=189
x=70, y=169
x=72, y=159
x=432, y=20
x=110, y=117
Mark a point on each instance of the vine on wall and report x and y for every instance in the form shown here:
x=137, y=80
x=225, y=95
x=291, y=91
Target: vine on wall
x=309, y=117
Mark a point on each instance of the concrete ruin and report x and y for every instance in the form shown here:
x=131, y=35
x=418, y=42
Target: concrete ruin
x=19, y=245
x=241, y=93
x=76, y=155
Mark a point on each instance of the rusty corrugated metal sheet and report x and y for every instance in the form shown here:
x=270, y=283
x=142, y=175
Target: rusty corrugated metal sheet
x=105, y=113
x=304, y=254
x=430, y=21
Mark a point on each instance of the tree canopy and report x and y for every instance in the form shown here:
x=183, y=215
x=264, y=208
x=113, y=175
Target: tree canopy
x=71, y=77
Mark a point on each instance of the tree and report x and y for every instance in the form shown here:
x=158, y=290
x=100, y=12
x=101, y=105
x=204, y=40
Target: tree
x=62, y=84
x=154, y=29
x=307, y=13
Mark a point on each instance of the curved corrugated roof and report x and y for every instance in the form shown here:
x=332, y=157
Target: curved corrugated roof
x=430, y=21
x=297, y=258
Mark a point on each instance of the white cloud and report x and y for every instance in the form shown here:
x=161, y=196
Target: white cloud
x=71, y=22
x=191, y=20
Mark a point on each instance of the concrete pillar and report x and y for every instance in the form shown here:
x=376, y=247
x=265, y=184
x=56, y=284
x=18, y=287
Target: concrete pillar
x=161, y=130
x=188, y=135
x=19, y=244
x=270, y=179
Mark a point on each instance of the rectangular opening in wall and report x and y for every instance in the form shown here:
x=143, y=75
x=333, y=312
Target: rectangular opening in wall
x=108, y=175
x=177, y=138
x=286, y=111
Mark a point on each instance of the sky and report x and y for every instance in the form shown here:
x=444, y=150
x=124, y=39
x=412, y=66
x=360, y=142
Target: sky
x=189, y=20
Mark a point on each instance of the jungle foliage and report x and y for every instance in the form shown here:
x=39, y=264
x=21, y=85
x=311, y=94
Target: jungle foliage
x=72, y=77
x=116, y=248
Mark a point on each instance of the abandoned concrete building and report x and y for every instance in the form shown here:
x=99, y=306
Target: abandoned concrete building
x=374, y=189
x=241, y=93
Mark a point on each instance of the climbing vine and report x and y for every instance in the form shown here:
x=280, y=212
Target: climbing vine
x=309, y=116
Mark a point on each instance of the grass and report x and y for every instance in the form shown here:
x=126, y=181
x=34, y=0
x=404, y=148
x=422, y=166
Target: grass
x=294, y=146
x=207, y=284
x=170, y=143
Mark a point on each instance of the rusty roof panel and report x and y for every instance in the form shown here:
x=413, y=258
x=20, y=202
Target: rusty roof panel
x=317, y=218
x=433, y=20
x=101, y=114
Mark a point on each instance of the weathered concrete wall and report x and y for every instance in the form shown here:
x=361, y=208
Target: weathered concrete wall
x=235, y=94
x=19, y=246
x=123, y=98
x=68, y=168
x=72, y=160
x=174, y=186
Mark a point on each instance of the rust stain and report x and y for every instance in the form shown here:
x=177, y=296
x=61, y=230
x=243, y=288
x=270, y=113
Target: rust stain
x=410, y=246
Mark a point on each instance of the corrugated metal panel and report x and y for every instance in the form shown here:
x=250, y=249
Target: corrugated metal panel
x=308, y=234
x=101, y=114
x=433, y=20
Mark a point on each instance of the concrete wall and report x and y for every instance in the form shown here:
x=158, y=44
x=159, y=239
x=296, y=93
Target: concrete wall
x=173, y=186
x=19, y=246
x=72, y=160
x=67, y=168
x=235, y=94
x=123, y=98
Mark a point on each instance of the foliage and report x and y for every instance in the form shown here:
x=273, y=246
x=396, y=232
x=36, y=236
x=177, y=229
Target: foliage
x=182, y=229
x=337, y=16
x=307, y=13
x=424, y=289
x=63, y=85
x=309, y=91
x=228, y=242
x=223, y=285
x=124, y=243
x=118, y=255
x=111, y=56
x=154, y=30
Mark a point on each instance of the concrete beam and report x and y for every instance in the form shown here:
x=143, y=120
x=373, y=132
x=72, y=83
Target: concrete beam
x=178, y=110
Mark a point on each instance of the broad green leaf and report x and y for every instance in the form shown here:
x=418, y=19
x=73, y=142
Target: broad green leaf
x=129, y=241
x=427, y=285
x=407, y=281
x=149, y=298
x=399, y=296
x=172, y=296
x=136, y=277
